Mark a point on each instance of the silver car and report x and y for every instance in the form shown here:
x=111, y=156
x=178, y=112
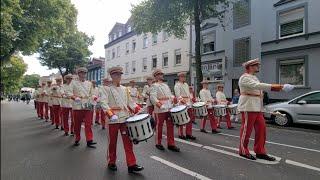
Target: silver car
x=302, y=109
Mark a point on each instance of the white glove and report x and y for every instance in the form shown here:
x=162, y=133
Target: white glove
x=163, y=106
x=114, y=118
x=77, y=100
x=287, y=87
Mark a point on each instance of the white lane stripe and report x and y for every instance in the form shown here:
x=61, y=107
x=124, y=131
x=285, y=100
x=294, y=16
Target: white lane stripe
x=238, y=156
x=270, y=142
x=188, y=142
x=179, y=168
x=302, y=165
x=236, y=149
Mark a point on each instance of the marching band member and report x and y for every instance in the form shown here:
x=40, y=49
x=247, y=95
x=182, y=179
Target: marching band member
x=55, y=100
x=163, y=99
x=41, y=101
x=95, y=91
x=48, y=107
x=146, y=94
x=118, y=105
x=181, y=90
x=36, y=95
x=134, y=93
x=222, y=100
x=66, y=105
x=205, y=96
x=106, y=82
x=83, y=101
x=251, y=106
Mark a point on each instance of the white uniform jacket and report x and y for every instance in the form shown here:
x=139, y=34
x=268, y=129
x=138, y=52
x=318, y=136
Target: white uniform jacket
x=205, y=96
x=161, y=93
x=66, y=100
x=146, y=94
x=47, y=96
x=181, y=90
x=221, y=98
x=56, y=95
x=82, y=90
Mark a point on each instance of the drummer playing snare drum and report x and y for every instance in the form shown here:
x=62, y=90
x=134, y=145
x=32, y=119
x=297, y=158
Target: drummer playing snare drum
x=181, y=90
x=118, y=105
x=205, y=96
x=222, y=100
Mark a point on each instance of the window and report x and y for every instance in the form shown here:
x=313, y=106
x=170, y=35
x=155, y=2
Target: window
x=241, y=51
x=177, y=57
x=133, y=45
x=127, y=48
x=114, y=36
x=208, y=42
x=128, y=29
x=144, y=64
x=311, y=98
x=165, y=60
x=154, y=62
x=133, y=70
x=165, y=36
x=241, y=14
x=154, y=38
x=108, y=55
x=292, y=72
x=113, y=53
x=99, y=75
x=127, y=68
x=291, y=23
x=145, y=41
x=118, y=51
x=120, y=34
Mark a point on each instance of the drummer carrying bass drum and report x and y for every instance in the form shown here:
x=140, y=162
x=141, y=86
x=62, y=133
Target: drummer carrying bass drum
x=118, y=106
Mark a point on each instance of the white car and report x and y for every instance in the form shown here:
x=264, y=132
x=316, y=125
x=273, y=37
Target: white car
x=302, y=109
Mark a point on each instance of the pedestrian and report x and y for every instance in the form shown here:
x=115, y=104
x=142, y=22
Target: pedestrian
x=118, y=105
x=146, y=94
x=42, y=102
x=222, y=100
x=95, y=92
x=251, y=107
x=56, y=94
x=49, y=100
x=66, y=105
x=205, y=96
x=163, y=100
x=236, y=95
x=106, y=82
x=181, y=90
x=83, y=100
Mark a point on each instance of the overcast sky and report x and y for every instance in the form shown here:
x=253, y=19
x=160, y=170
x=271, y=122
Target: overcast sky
x=95, y=18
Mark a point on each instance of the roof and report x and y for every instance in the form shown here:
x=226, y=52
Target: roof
x=281, y=2
x=124, y=37
x=117, y=25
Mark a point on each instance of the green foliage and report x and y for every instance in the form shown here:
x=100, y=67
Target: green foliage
x=66, y=54
x=11, y=74
x=31, y=81
x=26, y=24
x=172, y=16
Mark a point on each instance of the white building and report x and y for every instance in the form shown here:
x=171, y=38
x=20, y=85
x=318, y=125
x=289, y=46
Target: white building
x=139, y=55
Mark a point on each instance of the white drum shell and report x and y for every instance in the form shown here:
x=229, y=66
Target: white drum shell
x=181, y=117
x=140, y=129
x=233, y=109
x=220, y=111
x=200, y=110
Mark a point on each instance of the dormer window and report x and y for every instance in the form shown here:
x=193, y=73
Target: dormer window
x=128, y=29
x=120, y=33
x=114, y=36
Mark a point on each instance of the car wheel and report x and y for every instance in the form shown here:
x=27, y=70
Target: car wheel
x=283, y=120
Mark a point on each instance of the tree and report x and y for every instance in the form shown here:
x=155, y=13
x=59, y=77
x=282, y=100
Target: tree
x=11, y=73
x=66, y=54
x=26, y=24
x=31, y=81
x=172, y=16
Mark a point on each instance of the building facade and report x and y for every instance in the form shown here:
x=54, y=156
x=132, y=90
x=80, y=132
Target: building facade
x=96, y=70
x=139, y=55
x=284, y=34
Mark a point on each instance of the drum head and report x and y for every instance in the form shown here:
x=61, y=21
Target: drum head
x=137, y=118
x=232, y=105
x=178, y=108
x=219, y=106
x=199, y=104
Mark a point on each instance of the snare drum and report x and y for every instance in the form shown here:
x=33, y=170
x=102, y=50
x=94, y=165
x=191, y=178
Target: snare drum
x=220, y=110
x=87, y=106
x=139, y=128
x=233, y=109
x=200, y=109
x=179, y=115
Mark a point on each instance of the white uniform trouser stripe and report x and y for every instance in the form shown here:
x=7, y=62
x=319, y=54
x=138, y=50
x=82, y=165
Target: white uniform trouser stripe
x=157, y=122
x=244, y=131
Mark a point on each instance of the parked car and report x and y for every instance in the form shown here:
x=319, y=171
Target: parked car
x=302, y=109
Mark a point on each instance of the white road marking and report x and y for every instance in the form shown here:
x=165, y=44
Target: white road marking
x=270, y=142
x=179, y=168
x=302, y=165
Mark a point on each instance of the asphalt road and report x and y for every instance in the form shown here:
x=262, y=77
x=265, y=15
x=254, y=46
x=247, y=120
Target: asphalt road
x=32, y=149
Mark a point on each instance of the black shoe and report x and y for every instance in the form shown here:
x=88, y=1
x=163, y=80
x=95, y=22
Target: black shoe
x=231, y=127
x=76, y=143
x=66, y=134
x=135, y=168
x=97, y=122
x=91, y=142
x=193, y=122
x=103, y=128
x=191, y=137
x=219, y=127
x=52, y=123
x=182, y=137
x=203, y=130
x=265, y=157
x=248, y=156
x=160, y=147
x=72, y=134
x=57, y=127
x=62, y=128
x=215, y=131
x=112, y=167
x=174, y=148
